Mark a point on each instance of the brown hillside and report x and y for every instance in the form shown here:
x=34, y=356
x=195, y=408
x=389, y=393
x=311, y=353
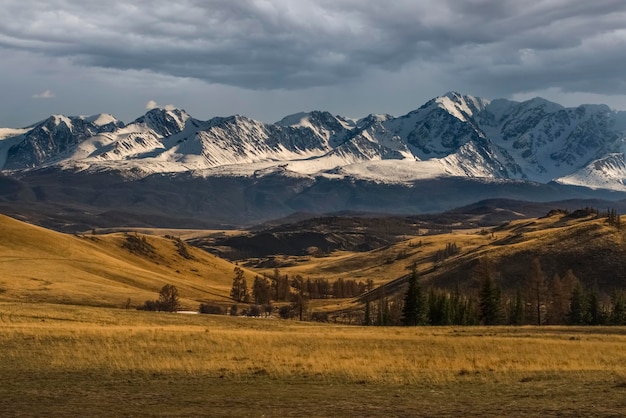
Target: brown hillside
x=39, y=265
x=592, y=249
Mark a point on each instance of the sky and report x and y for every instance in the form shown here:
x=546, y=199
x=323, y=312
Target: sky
x=269, y=58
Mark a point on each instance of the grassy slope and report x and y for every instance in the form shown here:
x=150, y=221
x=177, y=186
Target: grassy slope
x=595, y=251
x=77, y=361
x=38, y=265
x=41, y=265
x=85, y=361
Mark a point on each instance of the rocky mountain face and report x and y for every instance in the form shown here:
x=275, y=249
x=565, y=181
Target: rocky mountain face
x=452, y=135
x=451, y=140
x=54, y=138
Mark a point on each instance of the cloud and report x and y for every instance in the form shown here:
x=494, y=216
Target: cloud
x=497, y=47
x=46, y=94
x=154, y=105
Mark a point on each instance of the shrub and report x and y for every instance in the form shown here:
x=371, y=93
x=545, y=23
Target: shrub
x=149, y=305
x=206, y=308
x=319, y=316
x=286, y=312
x=168, y=301
x=255, y=310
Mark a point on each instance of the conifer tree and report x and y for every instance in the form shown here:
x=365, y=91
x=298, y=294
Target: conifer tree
x=261, y=291
x=595, y=311
x=618, y=309
x=490, y=295
x=383, y=307
x=557, y=308
x=577, y=314
x=490, y=302
x=239, y=290
x=439, y=308
x=414, y=309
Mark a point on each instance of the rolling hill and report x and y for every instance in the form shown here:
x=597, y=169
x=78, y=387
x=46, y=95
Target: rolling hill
x=585, y=243
x=39, y=265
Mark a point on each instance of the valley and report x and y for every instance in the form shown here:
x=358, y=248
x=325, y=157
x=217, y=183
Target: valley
x=492, y=227
x=126, y=266
x=69, y=324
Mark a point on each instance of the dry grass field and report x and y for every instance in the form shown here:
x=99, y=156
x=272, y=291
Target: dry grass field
x=594, y=250
x=68, y=349
x=85, y=361
x=39, y=265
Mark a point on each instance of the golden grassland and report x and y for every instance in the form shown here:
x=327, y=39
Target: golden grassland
x=61, y=360
x=66, y=352
x=184, y=234
x=77, y=338
x=39, y=265
x=506, y=244
x=384, y=264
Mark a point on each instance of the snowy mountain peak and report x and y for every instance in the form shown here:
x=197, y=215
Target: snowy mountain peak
x=315, y=120
x=101, y=119
x=461, y=107
x=542, y=103
x=297, y=119
x=373, y=119
x=164, y=122
x=56, y=120
x=450, y=135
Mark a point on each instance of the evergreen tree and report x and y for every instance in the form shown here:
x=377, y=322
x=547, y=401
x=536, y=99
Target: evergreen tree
x=469, y=312
x=618, y=309
x=455, y=306
x=557, y=308
x=369, y=286
x=414, y=308
x=595, y=311
x=577, y=314
x=261, y=291
x=490, y=302
x=383, y=307
x=239, y=290
x=439, y=308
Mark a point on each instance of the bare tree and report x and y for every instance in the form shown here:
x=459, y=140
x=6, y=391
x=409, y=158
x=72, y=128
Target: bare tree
x=168, y=298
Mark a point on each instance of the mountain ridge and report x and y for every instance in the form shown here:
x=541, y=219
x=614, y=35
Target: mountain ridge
x=454, y=150
x=451, y=135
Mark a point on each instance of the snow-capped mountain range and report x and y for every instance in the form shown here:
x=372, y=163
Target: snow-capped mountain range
x=450, y=136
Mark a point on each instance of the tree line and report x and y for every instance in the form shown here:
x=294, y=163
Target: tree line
x=297, y=291
x=279, y=287
x=558, y=301
x=538, y=300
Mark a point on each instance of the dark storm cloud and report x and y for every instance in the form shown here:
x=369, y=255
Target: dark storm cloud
x=502, y=46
